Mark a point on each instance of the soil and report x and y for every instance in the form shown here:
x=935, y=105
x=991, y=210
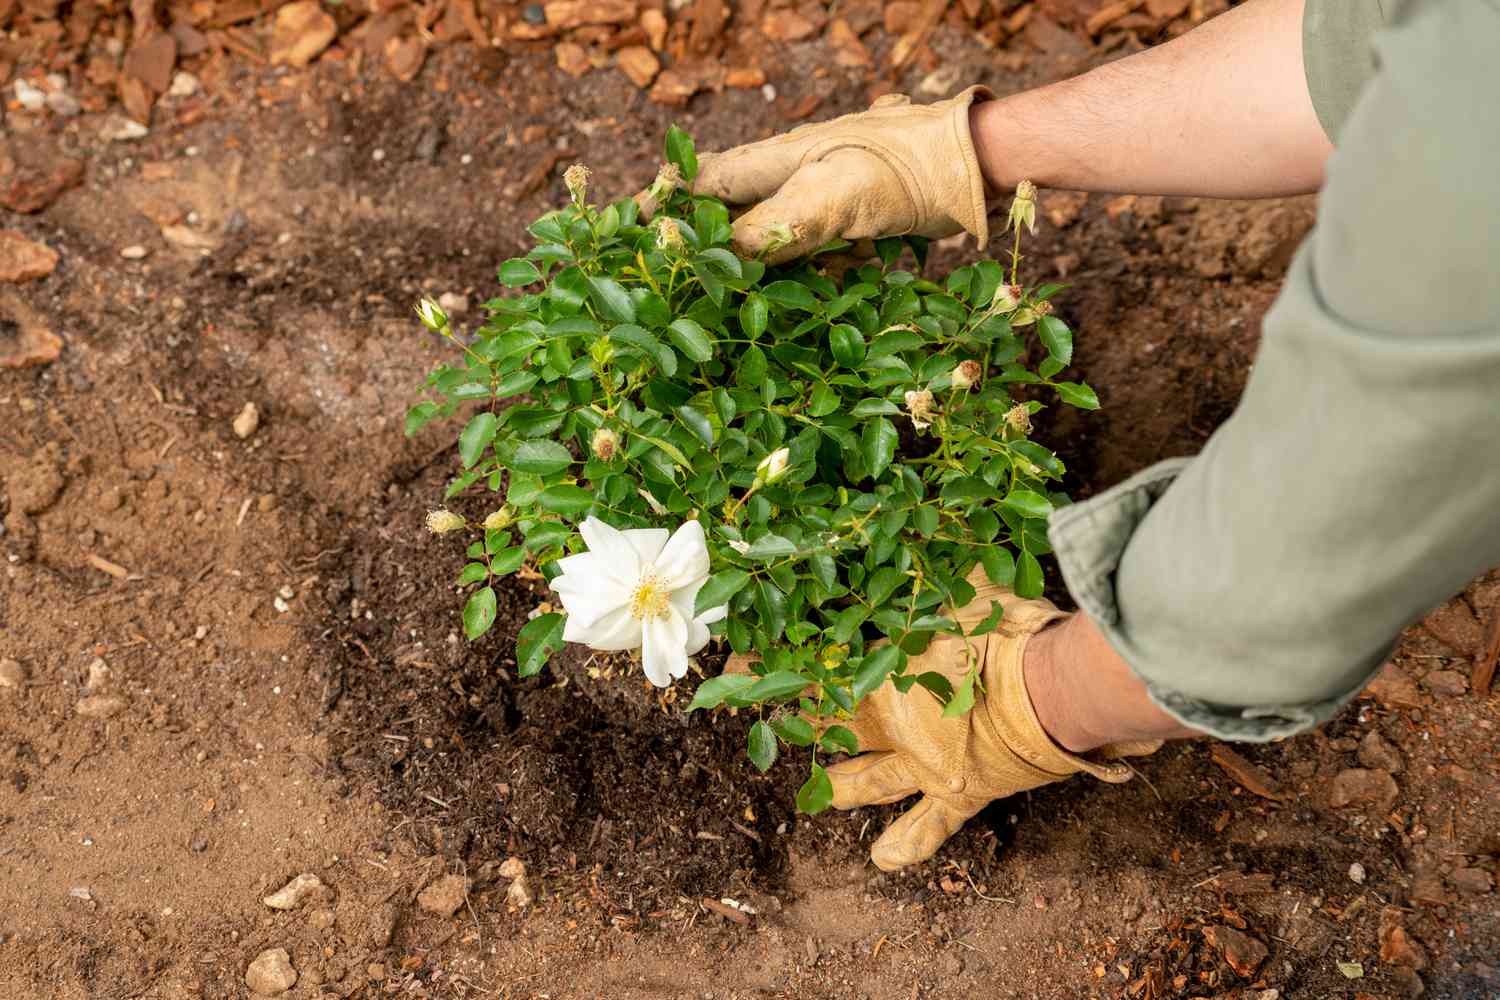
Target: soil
x=242, y=659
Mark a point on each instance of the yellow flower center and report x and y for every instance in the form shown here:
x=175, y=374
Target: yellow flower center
x=650, y=599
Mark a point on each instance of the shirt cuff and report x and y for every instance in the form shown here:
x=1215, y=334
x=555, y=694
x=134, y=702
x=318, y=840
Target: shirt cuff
x=1089, y=539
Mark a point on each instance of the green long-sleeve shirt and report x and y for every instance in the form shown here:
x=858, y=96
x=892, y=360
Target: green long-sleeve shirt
x=1256, y=587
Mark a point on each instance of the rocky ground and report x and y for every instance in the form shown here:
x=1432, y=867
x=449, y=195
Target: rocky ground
x=245, y=749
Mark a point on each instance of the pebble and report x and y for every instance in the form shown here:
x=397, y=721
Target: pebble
x=31, y=98
x=1446, y=683
x=279, y=603
x=445, y=895
x=320, y=919
x=519, y=894
x=184, y=84
x=271, y=973
x=81, y=892
x=768, y=91
x=100, y=706
x=375, y=971
x=98, y=675
x=63, y=103
x=1355, y=785
x=513, y=867
x=121, y=129
x=12, y=674
x=294, y=892
x=1376, y=752
x=1357, y=873
x=453, y=304
x=134, y=252
x=378, y=155
x=246, y=422
x=286, y=593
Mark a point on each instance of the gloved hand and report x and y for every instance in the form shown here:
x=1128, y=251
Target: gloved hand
x=896, y=169
x=962, y=764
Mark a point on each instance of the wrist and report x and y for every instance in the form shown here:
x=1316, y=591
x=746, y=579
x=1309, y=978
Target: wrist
x=1044, y=668
x=1005, y=145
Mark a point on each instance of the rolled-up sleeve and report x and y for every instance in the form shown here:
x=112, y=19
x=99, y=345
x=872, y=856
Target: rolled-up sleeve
x=1256, y=587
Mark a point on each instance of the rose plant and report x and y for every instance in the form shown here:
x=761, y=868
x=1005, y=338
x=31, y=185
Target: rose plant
x=803, y=461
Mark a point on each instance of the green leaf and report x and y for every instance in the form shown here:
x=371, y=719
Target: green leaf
x=848, y=621
x=751, y=373
x=518, y=271
x=762, y=746
x=479, y=612
x=612, y=299
x=878, y=445
x=538, y=640
x=1077, y=394
x=507, y=561
x=967, y=488
x=565, y=499
x=541, y=457
x=769, y=547
x=795, y=730
x=839, y=738
x=1057, y=338
x=882, y=584
x=473, y=573
x=719, y=588
x=1028, y=504
x=679, y=150
x=712, y=692
x=847, y=345
x=791, y=295
x=690, y=339
x=754, y=314
x=781, y=684
x=1028, y=576
x=874, y=408
x=940, y=686
x=816, y=794
x=991, y=621
x=999, y=565
x=874, y=669
x=963, y=697
x=476, y=437
x=419, y=416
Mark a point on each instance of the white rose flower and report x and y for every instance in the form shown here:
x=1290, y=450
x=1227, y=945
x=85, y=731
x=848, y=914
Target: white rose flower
x=773, y=466
x=635, y=589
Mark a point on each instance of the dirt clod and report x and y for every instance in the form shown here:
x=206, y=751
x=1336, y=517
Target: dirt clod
x=12, y=674
x=302, y=30
x=100, y=706
x=1376, y=753
x=445, y=895
x=1243, y=952
x=1446, y=683
x=22, y=259
x=1397, y=947
x=271, y=973
x=1364, y=786
x=1474, y=881
x=247, y=420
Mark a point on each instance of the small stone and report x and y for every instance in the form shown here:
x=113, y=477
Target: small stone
x=81, y=892
x=1394, y=689
x=1427, y=888
x=199, y=844
x=1376, y=753
x=246, y=422
x=121, y=129
x=320, y=919
x=519, y=894
x=279, y=603
x=1357, y=873
x=22, y=259
x=184, y=84
x=300, y=32
x=513, y=867
x=60, y=102
x=29, y=97
x=768, y=92
x=375, y=971
x=1446, y=683
x=1243, y=952
x=134, y=252
x=639, y=64
x=445, y=895
x=1364, y=786
x=453, y=304
x=1456, y=627
x=100, y=706
x=98, y=676
x=1474, y=881
x=291, y=894
x=12, y=674
x=271, y=973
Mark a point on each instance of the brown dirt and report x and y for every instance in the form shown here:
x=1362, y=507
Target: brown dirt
x=355, y=736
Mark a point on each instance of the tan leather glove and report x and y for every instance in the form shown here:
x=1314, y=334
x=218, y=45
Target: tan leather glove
x=896, y=169
x=962, y=764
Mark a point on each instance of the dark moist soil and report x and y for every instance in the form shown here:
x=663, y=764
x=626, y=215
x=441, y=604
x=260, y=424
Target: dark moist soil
x=356, y=735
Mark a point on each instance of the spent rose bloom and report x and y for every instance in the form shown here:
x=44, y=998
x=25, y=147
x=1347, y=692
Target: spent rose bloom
x=966, y=374
x=604, y=444
x=576, y=178
x=919, y=405
x=1019, y=418
x=635, y=589
x=440, y=522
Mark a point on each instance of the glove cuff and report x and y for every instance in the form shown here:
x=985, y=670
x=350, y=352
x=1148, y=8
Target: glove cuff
x=970, y=208
x=1009, y=705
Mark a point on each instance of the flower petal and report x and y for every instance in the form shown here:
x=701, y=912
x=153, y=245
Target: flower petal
x=617, y=557
x=683, y=562
x=697, y=637
x=617, y=630
x=585, y=609
x=664, y=648
x=647, y=542
x=713, y=615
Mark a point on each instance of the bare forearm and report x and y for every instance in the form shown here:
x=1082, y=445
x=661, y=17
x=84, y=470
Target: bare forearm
x=1086, y=696
x=1223, y=111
